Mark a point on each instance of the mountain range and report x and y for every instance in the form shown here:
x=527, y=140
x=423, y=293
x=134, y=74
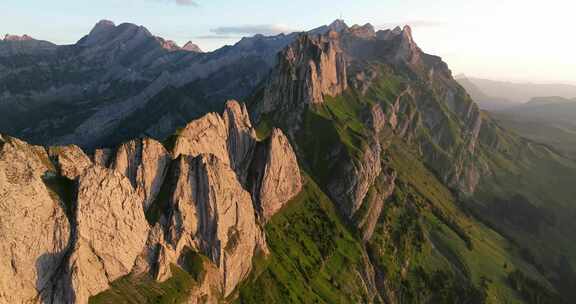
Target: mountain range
x=338, y=165
x=498, y=95
x=548, y=120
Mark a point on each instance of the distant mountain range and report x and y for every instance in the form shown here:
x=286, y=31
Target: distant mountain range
x=548, y=120
x=494, y=95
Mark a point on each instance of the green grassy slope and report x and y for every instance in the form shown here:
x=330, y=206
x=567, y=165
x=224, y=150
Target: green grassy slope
x=313, y=258
x=452, y=245
x=427, y=247
x=553, y=125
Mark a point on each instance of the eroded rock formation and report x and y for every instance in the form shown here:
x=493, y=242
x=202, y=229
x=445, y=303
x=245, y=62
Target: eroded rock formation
x=34, y=229
x=139, y=209
x=276, y=174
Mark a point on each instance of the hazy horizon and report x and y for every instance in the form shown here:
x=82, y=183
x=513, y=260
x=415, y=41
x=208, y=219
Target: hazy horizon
x=499, y=40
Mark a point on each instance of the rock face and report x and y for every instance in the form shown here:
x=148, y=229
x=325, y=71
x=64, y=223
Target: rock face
x=34, y=229
x=240, y=139
x=353, y=178
x=102, y=157
x=208, y=208
x=214, y=214
x=205, y=135
x=70, y=160
x=231, y=138
x=276, y=173
x=383, y=187
x=308, y=70
x=110, y=232
x=145, y=163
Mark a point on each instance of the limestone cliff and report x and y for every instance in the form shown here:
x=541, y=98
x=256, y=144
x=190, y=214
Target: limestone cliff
x=34, y=229
x=70, y=160
x=308, y=70
x=145, y=163
x=276, y=174
x=73, y=225
x=109, y=233
x=213, y=214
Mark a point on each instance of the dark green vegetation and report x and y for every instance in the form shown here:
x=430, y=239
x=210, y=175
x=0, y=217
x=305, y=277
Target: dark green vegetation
x=314, y=257
x=531, y=290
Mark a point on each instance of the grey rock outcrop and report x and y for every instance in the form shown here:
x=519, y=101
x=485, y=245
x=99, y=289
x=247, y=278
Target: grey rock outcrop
x=382, y=189
x=129, y=83
x=276, y=175
x=308, y=70
x=354, y=177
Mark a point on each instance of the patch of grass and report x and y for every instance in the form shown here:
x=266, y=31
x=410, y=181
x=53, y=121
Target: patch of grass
x=193, y=263
x=143, y=289
x=264, y=128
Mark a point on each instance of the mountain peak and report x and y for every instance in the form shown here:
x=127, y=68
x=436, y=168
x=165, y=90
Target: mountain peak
x=192, y=47
x=407, y=31
x=365, y=31
x=103, y=25
x=338, y=25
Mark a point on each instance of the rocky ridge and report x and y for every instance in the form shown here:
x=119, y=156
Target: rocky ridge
x=138, y=209
x=332, y=61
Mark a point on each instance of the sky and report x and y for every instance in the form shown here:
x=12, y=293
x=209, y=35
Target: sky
x=514, y=40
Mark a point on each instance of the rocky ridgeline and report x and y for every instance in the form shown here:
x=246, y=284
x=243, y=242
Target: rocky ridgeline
x=333, y=59
x=71, y=224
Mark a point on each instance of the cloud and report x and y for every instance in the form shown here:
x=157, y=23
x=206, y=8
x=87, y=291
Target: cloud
x=209, y=37
x=264, y=29
x=412, y=23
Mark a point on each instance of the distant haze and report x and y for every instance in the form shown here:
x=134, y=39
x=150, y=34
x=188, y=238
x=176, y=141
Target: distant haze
x=495, y=39
x=492, y=94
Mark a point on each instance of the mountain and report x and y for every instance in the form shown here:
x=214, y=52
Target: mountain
x=13, y=45
x=121, y=77
x=357, y=171
x=547, y=120
x=142, y=209
x=484, y=101
x=518, y=92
